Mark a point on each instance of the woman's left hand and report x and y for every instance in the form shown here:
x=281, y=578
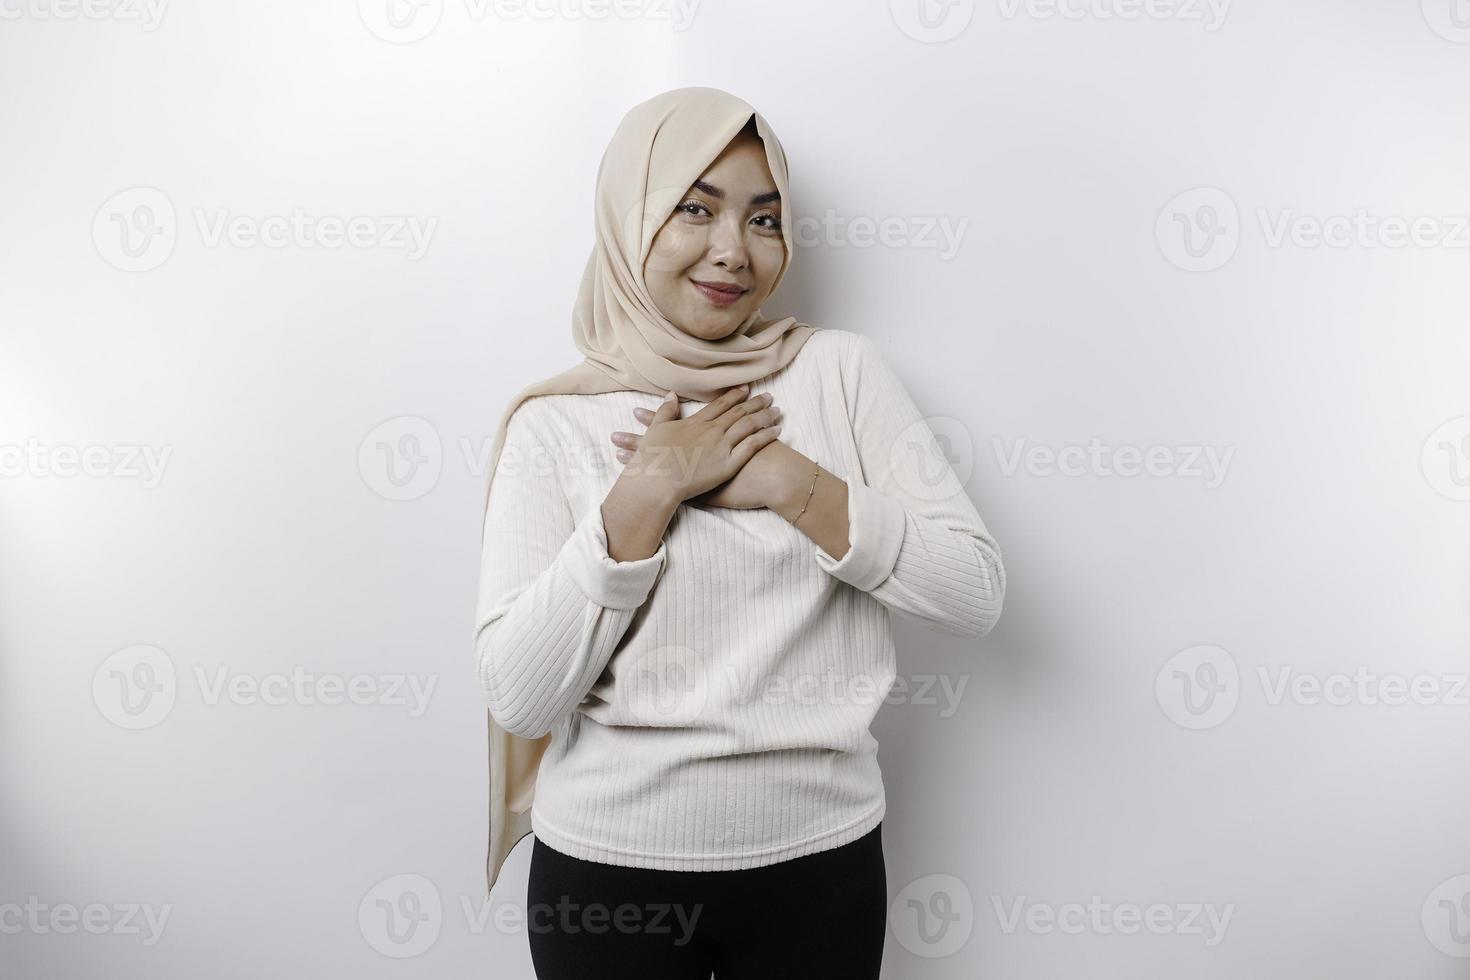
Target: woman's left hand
x=758, y=483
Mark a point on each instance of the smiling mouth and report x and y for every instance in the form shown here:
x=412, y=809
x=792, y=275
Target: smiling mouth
x=724, y=287
x=719, y=293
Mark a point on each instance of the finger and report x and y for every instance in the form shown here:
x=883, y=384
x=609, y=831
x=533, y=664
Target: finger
x=754, y=443
x=756, y=403
x=721, y=404
x=624, y=455
x=747, y=424
x=643, y=415
x=668, y=409
x=627, y=440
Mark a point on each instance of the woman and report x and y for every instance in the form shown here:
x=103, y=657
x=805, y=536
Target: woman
x=683, y=631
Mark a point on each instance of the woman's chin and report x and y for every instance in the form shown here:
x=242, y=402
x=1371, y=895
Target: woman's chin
x=711, y=327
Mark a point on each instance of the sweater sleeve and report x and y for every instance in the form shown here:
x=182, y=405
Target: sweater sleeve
x=916, y=542
x=553, y=604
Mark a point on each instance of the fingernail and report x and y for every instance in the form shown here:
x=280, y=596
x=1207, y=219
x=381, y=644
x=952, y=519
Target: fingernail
x=670, y=396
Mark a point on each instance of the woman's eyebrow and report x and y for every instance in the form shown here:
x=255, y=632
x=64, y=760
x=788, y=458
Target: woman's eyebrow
x=715, y=192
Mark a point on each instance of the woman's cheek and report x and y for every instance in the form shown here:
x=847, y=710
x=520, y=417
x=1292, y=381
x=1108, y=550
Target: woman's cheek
x=676, y=248
x=767, y=255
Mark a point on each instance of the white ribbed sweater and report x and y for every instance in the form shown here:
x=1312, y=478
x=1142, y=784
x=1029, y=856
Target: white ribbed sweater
x=710, y=704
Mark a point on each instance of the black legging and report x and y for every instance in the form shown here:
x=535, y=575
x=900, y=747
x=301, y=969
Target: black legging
x=813, y=917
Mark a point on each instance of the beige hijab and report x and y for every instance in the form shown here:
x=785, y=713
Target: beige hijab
x=659, y=149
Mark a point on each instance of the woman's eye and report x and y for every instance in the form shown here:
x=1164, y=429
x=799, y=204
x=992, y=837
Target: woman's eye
x=774, y=221
x=693, y=207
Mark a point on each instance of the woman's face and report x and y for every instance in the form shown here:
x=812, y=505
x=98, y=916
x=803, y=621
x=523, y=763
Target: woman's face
x=725, y=232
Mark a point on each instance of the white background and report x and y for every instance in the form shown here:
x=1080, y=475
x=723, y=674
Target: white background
x=1078, y=765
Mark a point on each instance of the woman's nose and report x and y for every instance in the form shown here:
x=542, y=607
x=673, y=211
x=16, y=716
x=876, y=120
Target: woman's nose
x=727, y=248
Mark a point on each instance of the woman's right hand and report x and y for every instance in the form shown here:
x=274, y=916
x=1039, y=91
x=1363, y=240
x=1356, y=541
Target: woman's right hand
x=687, y=457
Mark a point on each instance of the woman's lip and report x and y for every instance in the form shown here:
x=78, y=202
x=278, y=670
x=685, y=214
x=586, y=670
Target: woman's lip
x=718, y=296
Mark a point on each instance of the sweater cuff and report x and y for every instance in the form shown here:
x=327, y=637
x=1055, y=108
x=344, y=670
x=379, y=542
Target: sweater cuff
x=875, y=534
x=609, y=583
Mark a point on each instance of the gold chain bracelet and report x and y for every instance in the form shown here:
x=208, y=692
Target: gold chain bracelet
x=815, y=473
